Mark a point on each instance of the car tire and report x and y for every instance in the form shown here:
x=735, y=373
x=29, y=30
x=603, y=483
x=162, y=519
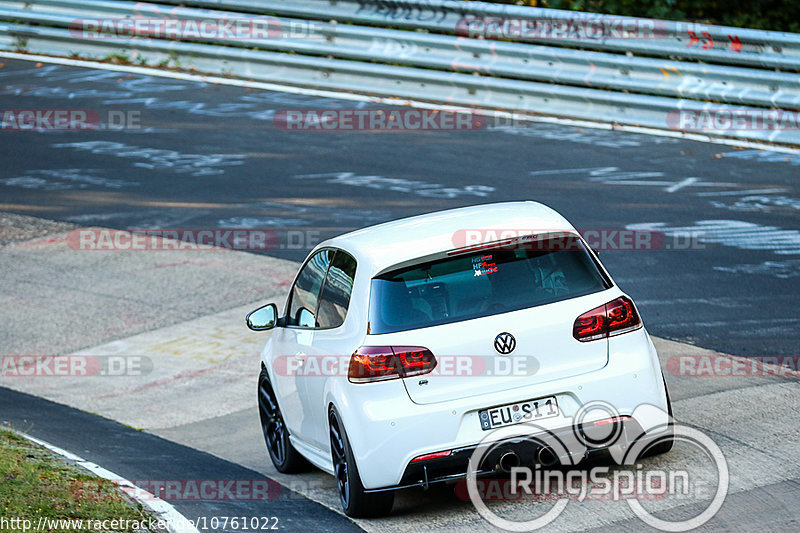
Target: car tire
x=662, y=443
x=355, y=501
x=286, y=459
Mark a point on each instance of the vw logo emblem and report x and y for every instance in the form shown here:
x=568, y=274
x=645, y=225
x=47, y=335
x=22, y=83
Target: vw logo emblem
x=505, y=343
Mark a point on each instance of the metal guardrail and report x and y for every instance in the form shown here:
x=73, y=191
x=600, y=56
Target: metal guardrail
x=567, y=82
x=503, y=59
x=721, y=44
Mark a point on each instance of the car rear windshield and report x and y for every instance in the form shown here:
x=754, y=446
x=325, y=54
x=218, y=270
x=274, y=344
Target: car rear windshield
x=483, y=283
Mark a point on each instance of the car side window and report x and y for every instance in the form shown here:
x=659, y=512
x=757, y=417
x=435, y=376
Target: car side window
x=335, y=297
x=305, y=294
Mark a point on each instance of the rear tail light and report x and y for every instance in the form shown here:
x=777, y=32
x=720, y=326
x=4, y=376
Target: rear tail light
x=592, y=325
x=613, y=318
x=379, y=363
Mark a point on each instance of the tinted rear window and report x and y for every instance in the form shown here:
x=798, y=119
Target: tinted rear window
x=480, y=284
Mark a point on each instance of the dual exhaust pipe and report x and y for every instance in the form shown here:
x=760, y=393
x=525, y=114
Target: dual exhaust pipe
x=546, y=456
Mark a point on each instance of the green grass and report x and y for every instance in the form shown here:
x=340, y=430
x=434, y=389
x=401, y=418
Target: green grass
x=34, y=483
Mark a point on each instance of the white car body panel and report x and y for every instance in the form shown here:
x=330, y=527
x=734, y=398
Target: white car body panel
x=391, y=422
x=543, y=341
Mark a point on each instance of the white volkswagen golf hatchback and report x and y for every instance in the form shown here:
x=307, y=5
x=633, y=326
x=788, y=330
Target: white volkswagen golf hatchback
x=402, y=345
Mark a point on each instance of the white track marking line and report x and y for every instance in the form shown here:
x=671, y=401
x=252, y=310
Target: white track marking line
x=742, y=193
x=564, y=171
x=148, y=71
x=176, y=522
x=681, y=184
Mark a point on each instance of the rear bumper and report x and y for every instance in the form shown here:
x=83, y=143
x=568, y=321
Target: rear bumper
x=387, y=434
x=535, y=450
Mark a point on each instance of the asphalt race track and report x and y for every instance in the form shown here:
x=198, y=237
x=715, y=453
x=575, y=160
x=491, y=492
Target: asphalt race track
x=724, y=279
x=138, y=455
x=206, y=156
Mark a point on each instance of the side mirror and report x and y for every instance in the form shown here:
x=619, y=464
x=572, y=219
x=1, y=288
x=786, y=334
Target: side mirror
x=263, y=318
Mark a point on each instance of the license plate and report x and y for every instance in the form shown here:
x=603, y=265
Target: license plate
x=517, y=413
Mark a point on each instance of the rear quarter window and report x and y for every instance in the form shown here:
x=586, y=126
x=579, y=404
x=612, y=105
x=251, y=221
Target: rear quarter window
x=335, y=297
